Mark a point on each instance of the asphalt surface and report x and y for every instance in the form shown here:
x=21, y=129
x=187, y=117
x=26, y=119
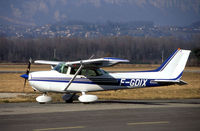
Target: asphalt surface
x=131, y=115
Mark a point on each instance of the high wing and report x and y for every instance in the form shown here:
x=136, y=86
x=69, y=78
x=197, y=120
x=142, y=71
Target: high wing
x=48, y=62
x=98, y=63
x=93, y=63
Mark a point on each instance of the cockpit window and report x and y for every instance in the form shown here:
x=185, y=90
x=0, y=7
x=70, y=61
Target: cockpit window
x=105, y=72
x=61, y=68
x=58, y=67
x=87, y=72
x=99, y=72
x=64, y=69
x=73, y=70
x=92, y=73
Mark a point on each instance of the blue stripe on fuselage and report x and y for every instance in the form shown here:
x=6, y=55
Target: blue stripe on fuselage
x=128, y=82
x=119, y=82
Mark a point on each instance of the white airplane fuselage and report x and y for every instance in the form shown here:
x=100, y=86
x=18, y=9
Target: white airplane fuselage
x=89, y=77
x=53, y=81
x=168, y=73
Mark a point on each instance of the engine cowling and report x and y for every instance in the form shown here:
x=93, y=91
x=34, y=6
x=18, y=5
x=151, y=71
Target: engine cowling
x=87, y=98
x=43, y=99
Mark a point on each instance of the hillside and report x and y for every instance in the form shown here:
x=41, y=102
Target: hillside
x=40, y=12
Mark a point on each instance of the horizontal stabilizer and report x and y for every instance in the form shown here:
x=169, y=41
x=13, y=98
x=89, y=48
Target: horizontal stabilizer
x=163, y=82
x=182, y=82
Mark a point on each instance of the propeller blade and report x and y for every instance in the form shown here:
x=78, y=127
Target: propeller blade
x=29, y=66
x=24, y=84
x=25, y=76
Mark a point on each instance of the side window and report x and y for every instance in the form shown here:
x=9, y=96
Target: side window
x=91, y=73
x=64, y=69
x=82, y=72
x=87, y=72
x=98, y=71
x=73, y=71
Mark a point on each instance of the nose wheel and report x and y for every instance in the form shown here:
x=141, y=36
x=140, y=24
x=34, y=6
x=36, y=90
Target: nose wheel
x=43, y=99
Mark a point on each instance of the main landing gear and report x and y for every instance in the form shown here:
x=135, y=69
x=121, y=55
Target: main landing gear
x=70, y=97
x=87, y=98
x=83, y=98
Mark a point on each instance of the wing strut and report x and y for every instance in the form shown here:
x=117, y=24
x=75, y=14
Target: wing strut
x=79, y=69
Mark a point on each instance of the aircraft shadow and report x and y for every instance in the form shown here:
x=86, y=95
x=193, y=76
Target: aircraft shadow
x=114, y=102
x=140, y=102
x=129, y=102
x=185, y=101
x=152, y=102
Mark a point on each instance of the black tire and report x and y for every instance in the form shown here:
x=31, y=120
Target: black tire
x=69, y=101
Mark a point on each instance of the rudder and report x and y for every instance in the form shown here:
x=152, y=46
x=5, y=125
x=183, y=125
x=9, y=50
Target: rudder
x=173, y=67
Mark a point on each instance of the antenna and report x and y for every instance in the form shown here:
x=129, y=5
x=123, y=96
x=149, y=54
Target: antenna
x=91, y=56
x=54, y=54
x=162, y=56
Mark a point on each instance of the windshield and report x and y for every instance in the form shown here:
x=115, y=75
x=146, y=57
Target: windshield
x=61, y=68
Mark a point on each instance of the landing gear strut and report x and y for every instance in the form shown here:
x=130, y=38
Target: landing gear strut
x=69, y=98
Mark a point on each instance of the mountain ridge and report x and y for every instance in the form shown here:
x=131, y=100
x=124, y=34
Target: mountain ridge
x=40, y=12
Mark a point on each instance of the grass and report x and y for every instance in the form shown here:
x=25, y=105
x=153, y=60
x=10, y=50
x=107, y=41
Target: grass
x=11, y=82
x=22, y=67
x=19, y=98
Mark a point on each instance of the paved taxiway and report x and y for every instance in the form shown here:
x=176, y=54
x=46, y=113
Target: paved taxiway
x=131, y=115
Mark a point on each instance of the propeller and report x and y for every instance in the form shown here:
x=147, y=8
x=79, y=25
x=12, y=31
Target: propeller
x=25, y=76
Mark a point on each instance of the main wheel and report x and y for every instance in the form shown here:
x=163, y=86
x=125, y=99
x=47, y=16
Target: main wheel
x=69, y=101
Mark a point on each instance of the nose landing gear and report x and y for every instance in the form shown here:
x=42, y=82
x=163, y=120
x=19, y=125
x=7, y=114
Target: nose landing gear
x=43, y=99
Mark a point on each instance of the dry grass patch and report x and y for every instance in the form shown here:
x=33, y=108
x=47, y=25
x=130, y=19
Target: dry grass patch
x=19, y=98
x=30, y=97
x=12, y=82
x=23, y=67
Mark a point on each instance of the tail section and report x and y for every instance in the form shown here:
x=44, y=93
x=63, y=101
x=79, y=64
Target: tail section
x=173, y=67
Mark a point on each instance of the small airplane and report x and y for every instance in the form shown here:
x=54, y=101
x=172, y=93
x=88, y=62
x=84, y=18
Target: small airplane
x=87, y=76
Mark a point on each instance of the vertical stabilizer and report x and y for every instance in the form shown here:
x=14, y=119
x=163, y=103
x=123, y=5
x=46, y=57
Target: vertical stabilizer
x=175, y=64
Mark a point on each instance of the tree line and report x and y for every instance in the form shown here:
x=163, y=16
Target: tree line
x=136, y=49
